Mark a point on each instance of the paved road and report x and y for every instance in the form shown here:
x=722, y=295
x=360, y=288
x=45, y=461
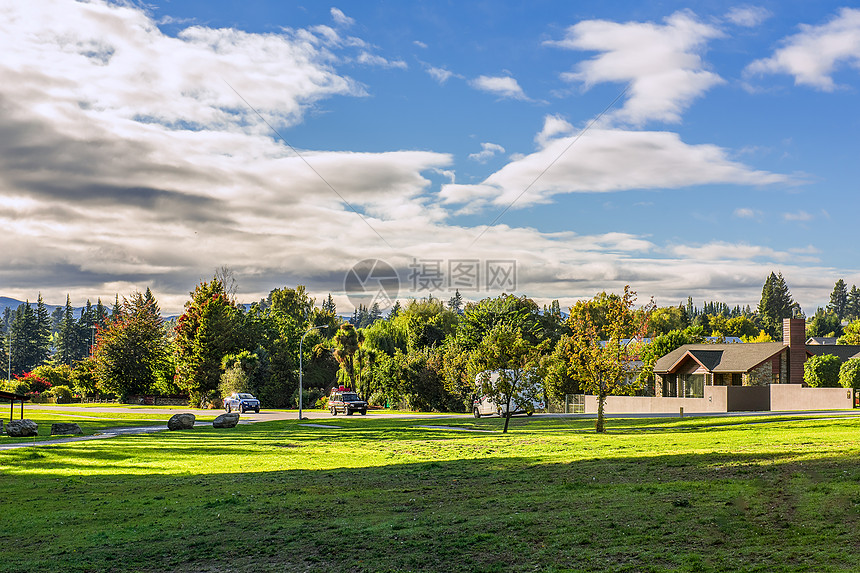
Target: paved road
x=271, y=415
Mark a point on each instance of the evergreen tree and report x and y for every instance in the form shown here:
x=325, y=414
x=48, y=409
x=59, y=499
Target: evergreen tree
x=775, y=305
x=210, y=328
x=86, y=332
x=116, y=311
x=23, y=331
x=839, y=300
x=455, y=303
x=67, y=342
x=853, y=309
x=101, y=314
x=395, y=310
x=133, y=353
x=43, y=331
x=328, y=306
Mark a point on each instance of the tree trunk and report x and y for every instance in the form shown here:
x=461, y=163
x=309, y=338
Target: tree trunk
x=599, y=426
x=507, y=419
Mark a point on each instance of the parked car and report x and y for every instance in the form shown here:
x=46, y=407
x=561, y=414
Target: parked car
x=346, y=401
x=241, y=401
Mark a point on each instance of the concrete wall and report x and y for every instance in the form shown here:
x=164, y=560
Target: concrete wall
x=776, y=397
x=795, y=397
x=715, y=400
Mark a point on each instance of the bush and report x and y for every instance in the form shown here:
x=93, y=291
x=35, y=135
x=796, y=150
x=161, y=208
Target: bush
x=849, y=374
x=63, y=394
x=35, y=384
x=322, y=403
x=17, y=387
x=822, y=371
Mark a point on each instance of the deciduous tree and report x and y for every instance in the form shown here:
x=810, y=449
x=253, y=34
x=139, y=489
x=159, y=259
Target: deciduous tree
x=602, y=330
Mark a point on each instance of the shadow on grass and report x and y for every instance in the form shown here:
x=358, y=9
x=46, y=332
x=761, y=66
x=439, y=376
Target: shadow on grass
x=715, y=511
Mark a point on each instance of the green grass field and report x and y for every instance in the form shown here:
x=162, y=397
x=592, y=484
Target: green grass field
x=698, y=494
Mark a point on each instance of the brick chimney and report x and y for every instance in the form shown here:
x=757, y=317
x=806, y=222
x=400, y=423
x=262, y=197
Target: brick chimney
x=794, y=336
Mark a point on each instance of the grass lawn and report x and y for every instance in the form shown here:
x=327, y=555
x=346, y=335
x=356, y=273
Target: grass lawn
x=90, y=423
x=696, y=494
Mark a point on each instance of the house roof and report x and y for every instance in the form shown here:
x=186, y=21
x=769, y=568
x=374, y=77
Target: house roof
x=720, y=357
x=842, y=351
x=821, y=340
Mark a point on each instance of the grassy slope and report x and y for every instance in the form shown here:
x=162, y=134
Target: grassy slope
x=380, y=495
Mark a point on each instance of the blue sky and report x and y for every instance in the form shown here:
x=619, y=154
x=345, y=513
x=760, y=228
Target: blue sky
x=682, y=148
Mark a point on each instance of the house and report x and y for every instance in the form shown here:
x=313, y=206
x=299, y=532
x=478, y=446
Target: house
x=738, y=377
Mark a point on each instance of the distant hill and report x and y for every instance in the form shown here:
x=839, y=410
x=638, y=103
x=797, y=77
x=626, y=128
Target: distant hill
x=12, y=303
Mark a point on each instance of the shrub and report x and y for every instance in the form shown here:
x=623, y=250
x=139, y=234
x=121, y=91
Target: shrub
x=35, y=384
x=822, y=371
x=849, y=374
x=63, y=394
x=322, y=403
x=54, y=375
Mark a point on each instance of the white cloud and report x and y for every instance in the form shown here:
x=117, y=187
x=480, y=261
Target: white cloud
x=814, y=54
x=798, y=216
x=420, y=44
x=502, y=86
x=340, y=18
x=369, y=59
x=488, y=150
x=441, y=75
x=748, y=16
x=661, y=63
x=126, y=162
x=565, y=164
x=744, y=213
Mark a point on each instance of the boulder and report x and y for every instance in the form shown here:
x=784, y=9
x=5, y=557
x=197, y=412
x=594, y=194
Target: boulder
x=226, y=421
x=22, y=429
x=181, y=422
x=63, y=428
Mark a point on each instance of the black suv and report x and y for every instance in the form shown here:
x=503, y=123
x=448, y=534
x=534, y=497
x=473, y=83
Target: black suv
x=346, y=401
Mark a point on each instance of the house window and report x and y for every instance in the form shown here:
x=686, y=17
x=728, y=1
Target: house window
x=737, y=379
x=670, y=390
x=694, y=385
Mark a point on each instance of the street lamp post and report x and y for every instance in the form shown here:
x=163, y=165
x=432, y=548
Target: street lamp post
x=311, y=329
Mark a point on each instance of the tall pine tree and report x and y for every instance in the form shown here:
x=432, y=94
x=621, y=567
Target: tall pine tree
x=839, y=300
x=775, y=305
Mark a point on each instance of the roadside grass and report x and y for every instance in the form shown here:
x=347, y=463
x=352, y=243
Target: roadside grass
x=693, y=494
x=94, y=423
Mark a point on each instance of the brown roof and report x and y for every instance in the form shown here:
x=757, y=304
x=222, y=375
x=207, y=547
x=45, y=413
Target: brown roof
x=721, y=357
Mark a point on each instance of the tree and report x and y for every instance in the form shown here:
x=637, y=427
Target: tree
x=849, y=373
x=67, y=342
x=852, y=310
x=133, y=352
x=26, y=353
x=209, y=328
x=346, y=341
x=43, y=331
x=775, y=305
x=455, y=303
x=328, y=306
x=824, y=323
x=663, y=345
x=601, y=331
x=506, y=364
x=839, y=300
x=667, y=319
x=822, y=371
x=851, y=334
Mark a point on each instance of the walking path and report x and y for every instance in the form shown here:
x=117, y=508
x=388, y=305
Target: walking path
x=271, y=415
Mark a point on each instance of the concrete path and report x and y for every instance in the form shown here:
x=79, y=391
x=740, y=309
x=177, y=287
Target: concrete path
x=272, y=415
